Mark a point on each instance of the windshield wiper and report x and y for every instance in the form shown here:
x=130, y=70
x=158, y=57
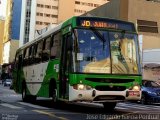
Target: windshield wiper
x=98, y=34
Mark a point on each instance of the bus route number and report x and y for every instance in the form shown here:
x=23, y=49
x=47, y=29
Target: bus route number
x=102, y=24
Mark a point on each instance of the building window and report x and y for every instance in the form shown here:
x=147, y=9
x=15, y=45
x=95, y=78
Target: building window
x=147, y=26
x=96, y=5
x=154, y=1
x=54, y=16
x=47, y=15
x=29, y=3
x=54, y=7
x=38, y=5
x=37, y=14
x=47, y=6
x=46, y=23
x=77, y=2
x=42, y=6
x=79, y=11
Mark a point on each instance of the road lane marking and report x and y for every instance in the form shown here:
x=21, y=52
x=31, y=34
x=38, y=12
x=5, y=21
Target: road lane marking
x=10, y=106
x=9, y=95
x=33, y=106
x=149, y=107
x=50, y=114
x=118, y=107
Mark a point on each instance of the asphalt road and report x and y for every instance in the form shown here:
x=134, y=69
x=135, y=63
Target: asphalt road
x=12, y=108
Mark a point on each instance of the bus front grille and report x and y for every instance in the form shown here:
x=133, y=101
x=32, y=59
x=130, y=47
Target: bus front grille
x=109, y=80
x=108, y=97
x=110, y=88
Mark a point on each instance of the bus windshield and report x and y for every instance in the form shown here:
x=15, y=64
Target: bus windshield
x=99, y=51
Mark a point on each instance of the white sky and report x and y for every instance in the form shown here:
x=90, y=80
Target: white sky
x=3, y=7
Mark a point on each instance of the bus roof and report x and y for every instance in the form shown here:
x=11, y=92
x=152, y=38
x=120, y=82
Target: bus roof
x=75, y=20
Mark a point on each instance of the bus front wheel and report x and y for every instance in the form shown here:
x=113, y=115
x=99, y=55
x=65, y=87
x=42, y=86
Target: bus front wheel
x=109, y=106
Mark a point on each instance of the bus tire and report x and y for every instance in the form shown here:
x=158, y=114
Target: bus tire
x=109, y=106
x=34, y=98
x=54, y=98
x=24, y=94
x=54, y=95
x=53, y=92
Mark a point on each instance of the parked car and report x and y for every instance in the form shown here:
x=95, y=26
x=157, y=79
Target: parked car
x=7, y=82
x=150, y=92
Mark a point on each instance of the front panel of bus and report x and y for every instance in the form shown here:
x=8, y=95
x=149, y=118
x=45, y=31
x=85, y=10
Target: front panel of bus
x=104, y=64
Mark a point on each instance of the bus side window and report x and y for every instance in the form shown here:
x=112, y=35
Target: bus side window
x=39, y=52
x=55, y=46
x=16, y=61
x=34, y=53
x=24, y=52
x=25, y=57
x=46, y=49
x=30, y=55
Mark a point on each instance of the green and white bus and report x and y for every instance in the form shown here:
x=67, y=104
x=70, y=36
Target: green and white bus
x=89, y=59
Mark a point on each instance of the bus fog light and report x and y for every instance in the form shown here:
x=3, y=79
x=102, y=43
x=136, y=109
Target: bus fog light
x=88, y=87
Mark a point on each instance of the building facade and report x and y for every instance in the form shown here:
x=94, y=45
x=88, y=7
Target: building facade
x=16, y=19
x=38, y=14
x=144, y=13
x=11, y=31
x=2, y=22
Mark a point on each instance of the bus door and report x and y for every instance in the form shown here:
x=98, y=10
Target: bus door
x=64, y=68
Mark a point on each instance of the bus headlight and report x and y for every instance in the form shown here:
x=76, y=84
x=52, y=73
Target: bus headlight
x=82, y=87
x=135, y=88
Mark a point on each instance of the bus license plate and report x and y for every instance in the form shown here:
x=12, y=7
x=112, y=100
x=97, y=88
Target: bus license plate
x=133, y=93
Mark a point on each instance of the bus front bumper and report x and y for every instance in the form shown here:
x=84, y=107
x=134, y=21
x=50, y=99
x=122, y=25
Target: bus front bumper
x=103, y=96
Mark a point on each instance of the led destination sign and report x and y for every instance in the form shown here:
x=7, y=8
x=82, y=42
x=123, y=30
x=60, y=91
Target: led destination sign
x=88, y=23
x=105, y=23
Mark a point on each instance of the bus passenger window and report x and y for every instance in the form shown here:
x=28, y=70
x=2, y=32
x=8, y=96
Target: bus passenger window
x=34, y=53
x=16, y=61
x=55, y=46
x=25, y=58
x=39, y=52
x=46, y=49
x=30, y=57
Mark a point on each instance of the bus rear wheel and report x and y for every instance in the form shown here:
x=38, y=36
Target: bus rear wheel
x=109, y=106
x=54, y=96
x=28, y=98
x=24, y=94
